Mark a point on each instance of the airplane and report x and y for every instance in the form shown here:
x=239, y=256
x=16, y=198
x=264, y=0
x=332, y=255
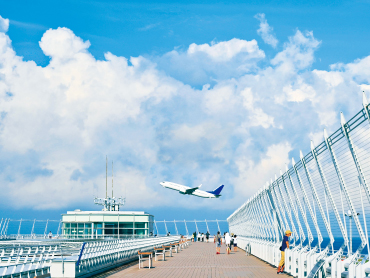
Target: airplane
x=192, y=191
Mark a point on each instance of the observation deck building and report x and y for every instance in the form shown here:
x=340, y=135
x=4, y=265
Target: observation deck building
x=106, y=224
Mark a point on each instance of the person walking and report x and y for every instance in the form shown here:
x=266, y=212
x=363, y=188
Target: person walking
x=195, y=236
x=284, y=245
x=227, y=242
x=235, y=244
x=218, y=243
x=207, y=236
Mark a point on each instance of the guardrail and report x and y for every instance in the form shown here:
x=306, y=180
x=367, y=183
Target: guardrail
x=99, y=256
x=318, y=198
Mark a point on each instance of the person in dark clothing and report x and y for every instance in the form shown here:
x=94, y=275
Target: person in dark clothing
x=207, y=236
x=284, y=245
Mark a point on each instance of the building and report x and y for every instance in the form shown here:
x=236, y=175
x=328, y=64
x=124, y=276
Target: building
x=106, y=224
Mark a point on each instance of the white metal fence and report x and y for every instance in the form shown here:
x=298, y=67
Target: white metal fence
x=324, y=199
x=188, y=227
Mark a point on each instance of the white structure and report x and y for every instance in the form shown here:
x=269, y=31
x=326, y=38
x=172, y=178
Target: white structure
x=106, y=224
x=311, y=199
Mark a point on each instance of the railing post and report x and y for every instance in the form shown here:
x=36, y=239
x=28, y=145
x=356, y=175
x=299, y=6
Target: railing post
x=218, y=226
x=33, y=227
x=165, y=226
x=206, y=225
x=177, y=232
x=155, y=224
x=19, y=228
x=346, y=194
x=303, y=213
x=60, y=222
x=186, y=227
x=316, y=197
x=330, y=195
x=308, y=205
x=196, y=226
x=46, y=227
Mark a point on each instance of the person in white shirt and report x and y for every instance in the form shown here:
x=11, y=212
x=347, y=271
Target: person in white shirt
x=227, y=242
x=235, y=244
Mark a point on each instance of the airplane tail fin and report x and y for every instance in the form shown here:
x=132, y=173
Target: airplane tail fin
x=217, y=191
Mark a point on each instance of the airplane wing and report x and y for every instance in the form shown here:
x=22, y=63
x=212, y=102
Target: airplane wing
x=191, y=190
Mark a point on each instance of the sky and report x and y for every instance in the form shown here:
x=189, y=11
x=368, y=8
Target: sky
x=195, y=92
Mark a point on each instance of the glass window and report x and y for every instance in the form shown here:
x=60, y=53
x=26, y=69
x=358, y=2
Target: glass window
x=87, y=225
x=98, y=225
x=126, y=225
x=73, y=225
x=80, y=225
x=140, y=225
x=126, y=231
x=139, y=232
x=66, y=225
x=111, y=225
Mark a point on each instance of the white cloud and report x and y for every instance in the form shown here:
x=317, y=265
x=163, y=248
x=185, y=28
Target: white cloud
x=205, y=63
x=255, y=175
x=265, y=31
x=4, y=24
x=225, y=51
x=212, y=114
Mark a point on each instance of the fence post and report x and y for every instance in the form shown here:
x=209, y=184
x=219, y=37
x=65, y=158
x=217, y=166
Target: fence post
x=19, y=228
x=177, y=232
x=60, y=222
x=186, y=227
x=165, y=226
x=46, y=227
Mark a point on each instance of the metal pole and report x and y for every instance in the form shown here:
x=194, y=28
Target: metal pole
x=196, y=226
x=19, y=228
x=165, y=226
x=155, y=223
x=218, y=226
x=187, y=232
x=206, y=225
x=60, y=222
x=33, y=227
x=364, y=216
x=46, y=227
x=330, y=196
x=345, y=191
x=177, y=232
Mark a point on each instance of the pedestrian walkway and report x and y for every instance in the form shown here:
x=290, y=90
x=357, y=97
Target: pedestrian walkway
x=200, y=260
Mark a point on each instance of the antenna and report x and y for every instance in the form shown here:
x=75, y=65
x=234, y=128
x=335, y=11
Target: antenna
x=106, y=176
x=112, y=179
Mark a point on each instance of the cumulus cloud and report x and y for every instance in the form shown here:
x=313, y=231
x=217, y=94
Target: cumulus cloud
x=207, y=63
x=265, y=31
x=213, y=113
x=4, y=24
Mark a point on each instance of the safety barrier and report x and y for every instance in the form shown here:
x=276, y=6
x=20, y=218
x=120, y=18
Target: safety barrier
x=318, y=198
x=99, y=256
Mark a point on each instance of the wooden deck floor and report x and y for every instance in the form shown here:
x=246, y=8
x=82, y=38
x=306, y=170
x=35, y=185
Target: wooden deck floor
x=200, y=260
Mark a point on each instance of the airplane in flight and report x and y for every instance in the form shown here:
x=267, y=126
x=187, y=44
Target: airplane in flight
x=192, y=191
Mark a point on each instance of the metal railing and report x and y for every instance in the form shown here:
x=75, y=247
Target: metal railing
x=324, y=199
x=188, y=227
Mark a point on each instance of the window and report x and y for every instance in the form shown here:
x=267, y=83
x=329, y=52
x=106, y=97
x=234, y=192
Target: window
x=140, y=225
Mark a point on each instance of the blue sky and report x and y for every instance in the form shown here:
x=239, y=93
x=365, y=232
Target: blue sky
x=211, y=92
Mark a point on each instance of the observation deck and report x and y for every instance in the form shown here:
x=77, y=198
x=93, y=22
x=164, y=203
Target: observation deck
x=199, y=260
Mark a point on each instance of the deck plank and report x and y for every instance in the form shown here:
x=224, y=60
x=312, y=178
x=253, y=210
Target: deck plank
x=200, y=260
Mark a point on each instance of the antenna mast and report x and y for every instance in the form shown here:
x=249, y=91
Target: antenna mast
x=112, y=179
x=106, y=177
x=110, y=203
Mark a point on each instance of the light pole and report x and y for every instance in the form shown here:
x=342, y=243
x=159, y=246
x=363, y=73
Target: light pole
x=349, y=214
